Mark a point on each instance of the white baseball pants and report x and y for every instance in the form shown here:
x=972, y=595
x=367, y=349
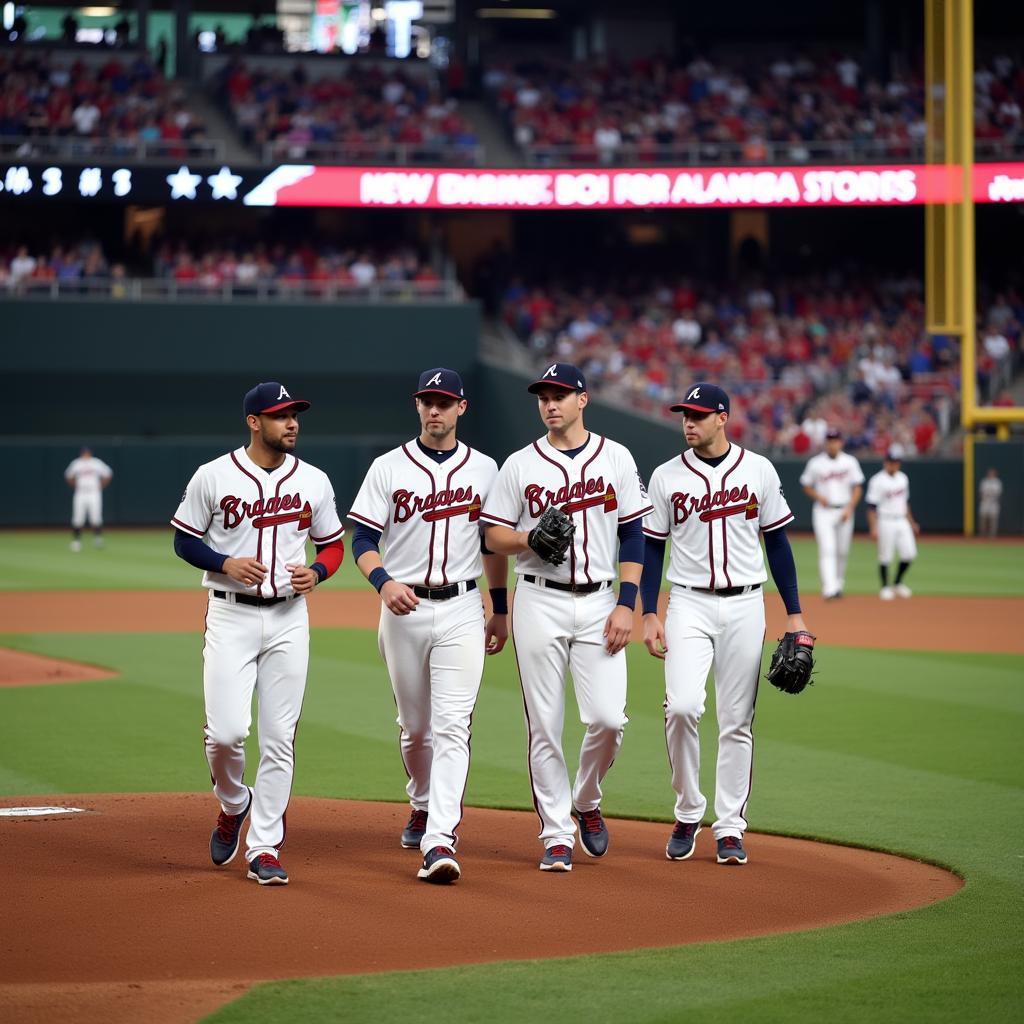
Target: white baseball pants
x=435, y=657
x=834, y=538
x=265, y=649
x=86, y=508
x=702, y=632
x=895, y=536
x=554, y=631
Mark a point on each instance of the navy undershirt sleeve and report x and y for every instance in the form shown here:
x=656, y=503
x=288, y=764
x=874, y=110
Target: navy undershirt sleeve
x=365, y=539
x=197, y=553
x=780, y=561
x=650, y=579
x=631, y=541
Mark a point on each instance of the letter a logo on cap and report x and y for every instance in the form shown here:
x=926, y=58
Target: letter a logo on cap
x=695, y=393
x=283, y=394
x=436, y=379
x=550, y=371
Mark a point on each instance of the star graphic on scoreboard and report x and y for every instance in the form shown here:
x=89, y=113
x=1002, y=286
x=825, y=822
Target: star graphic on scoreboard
x=224, y=184
x=183, y=183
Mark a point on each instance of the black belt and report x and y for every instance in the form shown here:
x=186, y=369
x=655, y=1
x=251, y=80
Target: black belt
x=837, y=506
x=569, y=588
x=260, y=602
x=727, y=591
x=444, y=593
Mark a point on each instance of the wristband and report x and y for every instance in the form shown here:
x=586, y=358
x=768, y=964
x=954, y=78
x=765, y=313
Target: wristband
x=321, y=570
x=499, y=600
x=379, y=577
x=627, y=595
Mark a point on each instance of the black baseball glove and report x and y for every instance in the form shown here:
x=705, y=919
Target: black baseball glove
x=552, y=535
x=792, y=662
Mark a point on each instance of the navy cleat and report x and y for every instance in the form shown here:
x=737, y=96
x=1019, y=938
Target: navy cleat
x=557, y=858
x=266, y=869
x=414, y=831
x=440, y=866
x=730, y=850
x=682, y=842
x=224, y=839
x=593, y=832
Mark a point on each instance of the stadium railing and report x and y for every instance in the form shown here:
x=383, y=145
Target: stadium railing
x=73, y=147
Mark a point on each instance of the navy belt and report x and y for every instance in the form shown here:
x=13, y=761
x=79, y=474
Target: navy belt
x=260, y=602
x=444, y=593
x=726, y=591
x=569, y=588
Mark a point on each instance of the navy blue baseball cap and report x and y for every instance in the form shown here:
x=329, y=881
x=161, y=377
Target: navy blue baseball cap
x=271, y=396
x=834, y=434
x=440, y=381
x=562, y=375
x=704, y=398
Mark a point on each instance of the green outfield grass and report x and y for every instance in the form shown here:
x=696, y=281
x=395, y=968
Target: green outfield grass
x=912, y=752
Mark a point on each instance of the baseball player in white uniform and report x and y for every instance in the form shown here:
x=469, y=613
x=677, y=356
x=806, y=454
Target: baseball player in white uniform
x=834, y=481
x=568, y=616
x=245, y=519
x=892, y=524
x=990, y=494
x=714, y=501
x=423, y=501
x=88, y=476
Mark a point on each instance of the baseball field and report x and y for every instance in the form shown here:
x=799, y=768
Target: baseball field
x=907, y=744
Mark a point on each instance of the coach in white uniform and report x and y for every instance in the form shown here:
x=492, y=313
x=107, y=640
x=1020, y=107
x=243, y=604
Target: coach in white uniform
x=423, y=501
x=245, y=519
x=89, y=477
x=834, y=481
x=892, y=524
x=714, y=501
x=568, y=616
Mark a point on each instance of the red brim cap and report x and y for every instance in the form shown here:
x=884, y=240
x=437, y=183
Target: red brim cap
x=438, y=391
x=549, y=383
x=692, y=405
x=299, y=405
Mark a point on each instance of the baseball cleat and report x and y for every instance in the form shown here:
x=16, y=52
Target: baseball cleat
x=593, y=832
x=886, y=593
x=76, y=545
x=415, y=829
x=440, y=866
x=557, y=858
x=266, y=869
x=730, y=850
x=682, y=842
x=902, y=590
x=224, y=839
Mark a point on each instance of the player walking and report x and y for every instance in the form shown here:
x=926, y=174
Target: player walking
x=714, y=501
x=834, y=481
x=256, y=507
x=892, y=524
x=423, y=500
x=89, y=477
x=567, y=615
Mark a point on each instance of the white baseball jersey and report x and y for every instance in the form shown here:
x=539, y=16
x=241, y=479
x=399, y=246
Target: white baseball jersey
x=247, y=512
x=889, y=493
x=833, y=479
x=990, y=490
x=428, y=512
x=88, y=474
x=599, y=489
x=715, y=515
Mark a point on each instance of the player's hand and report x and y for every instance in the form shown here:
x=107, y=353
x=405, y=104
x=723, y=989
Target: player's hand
x=873, y=531
x=304, y=579
x=496, y=633
x=654, y=636
x=847, y=512
x=246, y=571
x=915, y=526
x=398, y=598
x=617, y=629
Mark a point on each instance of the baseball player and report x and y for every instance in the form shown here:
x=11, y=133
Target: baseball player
x=88, y=477
x=245, y=519
x=891, y=523
x=423, y=500
x=715, y=501
x=568, y=615
x=833, y=480
x=990, y=493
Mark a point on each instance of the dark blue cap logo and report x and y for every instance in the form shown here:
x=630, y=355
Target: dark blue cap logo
x=562, y=375
x=703, y=398
x=272, y=396
x=440, y=381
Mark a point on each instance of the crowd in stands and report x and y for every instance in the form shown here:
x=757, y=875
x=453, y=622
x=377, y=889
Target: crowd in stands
x=369, y=109
x=766, y=109
x=125, y=99
x=797, y=355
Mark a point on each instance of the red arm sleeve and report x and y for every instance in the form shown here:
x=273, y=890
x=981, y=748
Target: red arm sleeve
x=329, y=558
